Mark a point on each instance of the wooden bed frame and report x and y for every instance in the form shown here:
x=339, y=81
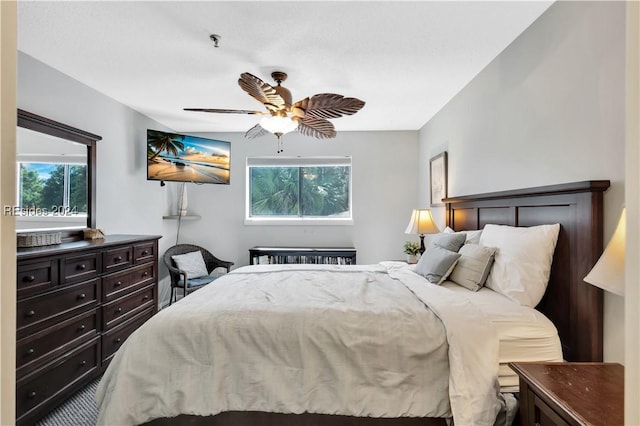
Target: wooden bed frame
x=575, y=307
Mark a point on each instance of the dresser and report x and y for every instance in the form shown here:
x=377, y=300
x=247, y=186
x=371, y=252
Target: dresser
x=570, y=393
x=77, y=302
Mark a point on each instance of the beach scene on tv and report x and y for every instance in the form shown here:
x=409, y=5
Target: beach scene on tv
x=183, y=158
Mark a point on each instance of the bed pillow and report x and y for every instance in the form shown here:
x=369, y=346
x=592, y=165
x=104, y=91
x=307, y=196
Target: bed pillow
x=451, y=242
x=473, y=267
x=473, y=237
x=192, y=263
x=522, y=263
x=436, y=264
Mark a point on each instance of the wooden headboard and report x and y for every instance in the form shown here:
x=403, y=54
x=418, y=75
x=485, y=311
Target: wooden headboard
x=575, y=307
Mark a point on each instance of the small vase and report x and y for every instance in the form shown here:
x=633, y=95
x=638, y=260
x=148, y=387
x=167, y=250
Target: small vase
x=412, y=258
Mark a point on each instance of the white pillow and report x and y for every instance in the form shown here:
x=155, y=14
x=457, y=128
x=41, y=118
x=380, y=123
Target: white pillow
x=522, y=263
x=472, y=237
x=473, y=267
x=192, y=263
x=436, y=263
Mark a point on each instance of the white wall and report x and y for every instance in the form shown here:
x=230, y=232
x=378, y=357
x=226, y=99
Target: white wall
x=384, y=168
x=549, y=109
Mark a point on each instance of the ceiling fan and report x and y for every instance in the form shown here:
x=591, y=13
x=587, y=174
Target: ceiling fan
x=310, y=116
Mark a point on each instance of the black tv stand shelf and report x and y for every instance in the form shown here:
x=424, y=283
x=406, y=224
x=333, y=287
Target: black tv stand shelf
x=307, y=255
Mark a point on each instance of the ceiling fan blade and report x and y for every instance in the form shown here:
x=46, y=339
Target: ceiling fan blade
x=327, y=105
x=227, y=111
x=255, y=132
x=316, y=127
x=261, y=91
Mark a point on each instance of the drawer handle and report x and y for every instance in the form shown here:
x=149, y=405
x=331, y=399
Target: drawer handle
x=145, y=252
x=31, y=351
x=82, y=267
x=82, y=296
x=82, y=327
x=31, y=313
x=83, y=363
x=32, y=394
x=118, y=258
x=118, y=340
x=145, y=274
x=117, y=284
x=119, y=310
x=29, y=278
x=146, y=297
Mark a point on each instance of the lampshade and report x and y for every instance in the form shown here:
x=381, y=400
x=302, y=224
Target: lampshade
x=278, y=125
x=421, y=223
x=608, y=272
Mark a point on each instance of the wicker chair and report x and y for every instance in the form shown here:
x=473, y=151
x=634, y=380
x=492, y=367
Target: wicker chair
x=179, y=279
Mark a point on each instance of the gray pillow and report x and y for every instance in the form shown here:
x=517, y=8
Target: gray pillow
x=436, y=264
x=451, y=242
x=192, y=263
x=473, y=267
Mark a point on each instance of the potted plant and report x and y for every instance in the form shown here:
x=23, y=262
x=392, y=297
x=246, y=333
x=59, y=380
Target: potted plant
x=412, y=249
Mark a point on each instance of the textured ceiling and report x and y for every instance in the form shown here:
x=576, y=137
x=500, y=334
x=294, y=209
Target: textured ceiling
x=406, y=60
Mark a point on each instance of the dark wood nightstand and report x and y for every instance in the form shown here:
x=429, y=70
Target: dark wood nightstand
x=570, y=393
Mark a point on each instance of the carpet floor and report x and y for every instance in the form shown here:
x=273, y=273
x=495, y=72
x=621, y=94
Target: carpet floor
x=79, y=410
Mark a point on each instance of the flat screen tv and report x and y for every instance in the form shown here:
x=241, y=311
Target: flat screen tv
x=172, y=157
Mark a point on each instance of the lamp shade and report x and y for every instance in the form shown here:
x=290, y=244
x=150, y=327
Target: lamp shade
x=421, y=223
x=608, y=272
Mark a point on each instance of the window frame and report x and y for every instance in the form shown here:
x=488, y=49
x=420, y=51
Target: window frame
x=50, y=160
x=296, y=162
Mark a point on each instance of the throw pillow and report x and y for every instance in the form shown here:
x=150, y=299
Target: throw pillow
x=451, y=242
x=436, y=264
x=192, y=263
x=473, y=267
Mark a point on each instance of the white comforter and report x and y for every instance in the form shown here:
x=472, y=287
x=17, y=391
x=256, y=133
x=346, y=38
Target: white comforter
x=351, y=340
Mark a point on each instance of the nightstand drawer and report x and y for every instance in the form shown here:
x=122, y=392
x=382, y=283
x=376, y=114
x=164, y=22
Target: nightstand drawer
x=541, y=414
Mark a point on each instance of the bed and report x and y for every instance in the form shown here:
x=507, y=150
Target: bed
x=301, y=386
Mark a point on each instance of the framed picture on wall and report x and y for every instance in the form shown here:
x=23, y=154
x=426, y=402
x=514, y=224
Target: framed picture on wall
x=438, y=179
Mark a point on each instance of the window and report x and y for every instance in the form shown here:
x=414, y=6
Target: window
x=52, y=188
x=299, y=189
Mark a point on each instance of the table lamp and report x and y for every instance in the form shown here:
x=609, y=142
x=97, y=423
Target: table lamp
x=608, y=272
x=421, y=223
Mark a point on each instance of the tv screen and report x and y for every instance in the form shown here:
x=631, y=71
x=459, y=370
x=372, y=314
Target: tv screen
x=183, y=158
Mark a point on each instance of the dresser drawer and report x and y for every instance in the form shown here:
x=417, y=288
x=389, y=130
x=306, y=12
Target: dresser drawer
x=115, y=285
x=45, y=345
x=120, y=309
x=143, y=253
x=34, y=277
x=59, y=375
x=65, y=302
x=117, y=258
x=80, y=268
x=113, y=339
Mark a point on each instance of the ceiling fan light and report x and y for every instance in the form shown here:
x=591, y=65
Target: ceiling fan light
x=277, y=124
